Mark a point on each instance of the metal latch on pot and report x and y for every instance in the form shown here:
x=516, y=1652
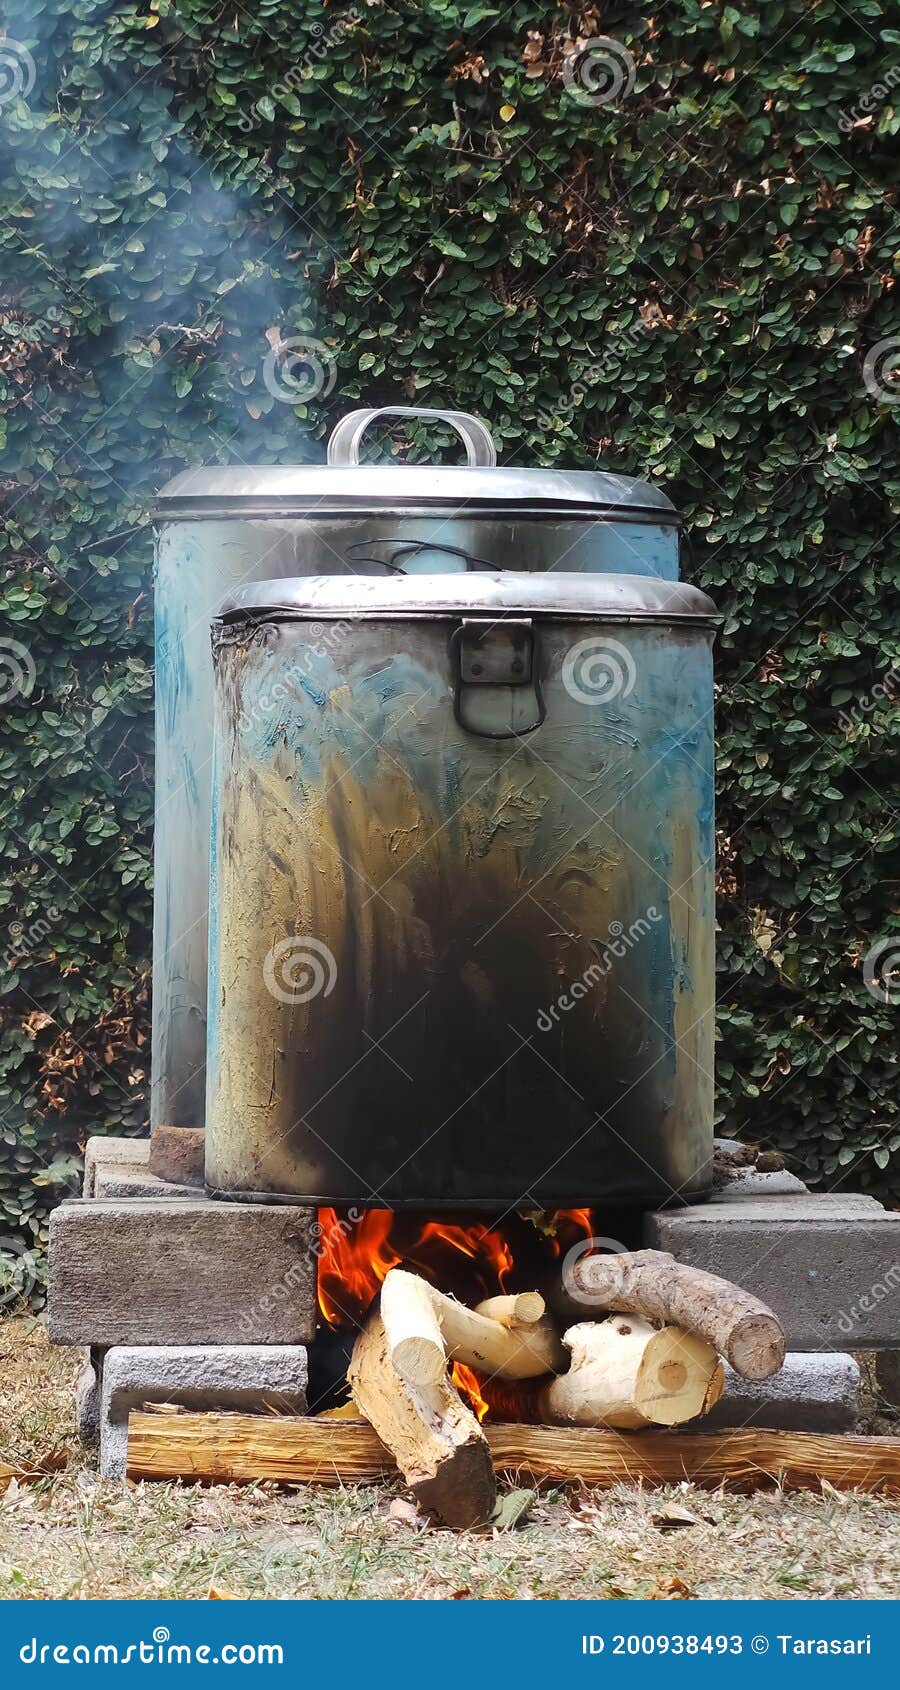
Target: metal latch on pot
x=496, y=688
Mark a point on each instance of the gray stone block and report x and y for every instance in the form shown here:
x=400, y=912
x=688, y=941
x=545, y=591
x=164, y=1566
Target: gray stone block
x=811, y=1393
x=240, y=1378
x=749, y=1182
x=87, y=1399
x=828, y=1265
x=124, y=1179
x=109, y=1153
x=181, y=1271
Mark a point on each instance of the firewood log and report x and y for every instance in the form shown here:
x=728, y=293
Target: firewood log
x=650, y=1283
x=424, y=1328
x=435, y=1439
x=245, y=1448
x=630, y=1374
x=523, y=1308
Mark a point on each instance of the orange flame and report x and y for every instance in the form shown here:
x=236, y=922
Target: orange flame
x=578, y=1218
x=354, y=1258
x=467, y=1382
x=357, y=1251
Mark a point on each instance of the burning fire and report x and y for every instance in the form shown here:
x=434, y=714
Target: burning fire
x=356, y=1256
x=357, y=1251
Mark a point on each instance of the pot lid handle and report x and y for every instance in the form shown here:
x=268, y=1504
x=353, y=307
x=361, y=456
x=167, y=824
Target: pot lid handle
x=343, y=447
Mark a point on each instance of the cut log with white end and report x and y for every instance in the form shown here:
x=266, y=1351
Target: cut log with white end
x=629, y=1374
x=522, y=1308
x=414, y=1335
x=422, y=1324
x=435, y=1439
x=650, y=1283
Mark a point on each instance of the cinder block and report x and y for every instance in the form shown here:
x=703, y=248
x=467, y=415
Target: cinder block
x=828, y=1265
x=181, y=1271
x=109, y=1153
x=243, y=1378
x=810, y=1393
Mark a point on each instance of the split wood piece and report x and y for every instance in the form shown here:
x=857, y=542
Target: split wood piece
x=245, y=1448
x=438, y=1444
x=652, y=1284
x=425, y=1328
x=628, y=1373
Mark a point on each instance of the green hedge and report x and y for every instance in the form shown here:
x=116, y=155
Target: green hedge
x=682, y=283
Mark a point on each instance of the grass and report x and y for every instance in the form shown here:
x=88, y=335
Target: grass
x=67, y=1533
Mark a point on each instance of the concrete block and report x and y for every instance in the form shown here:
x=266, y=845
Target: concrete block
x=828, y=1265
x=241, y=1378
x=811, y=1393
x=181, y=1271
x=125, y=1179
x=109, y=1153
x=749, y=1182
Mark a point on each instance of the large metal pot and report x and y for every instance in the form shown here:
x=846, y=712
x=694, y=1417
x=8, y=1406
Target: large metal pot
x=221, y=527
x=463, y=891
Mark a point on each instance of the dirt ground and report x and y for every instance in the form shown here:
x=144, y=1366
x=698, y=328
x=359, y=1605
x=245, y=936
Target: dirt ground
x=67, y=1533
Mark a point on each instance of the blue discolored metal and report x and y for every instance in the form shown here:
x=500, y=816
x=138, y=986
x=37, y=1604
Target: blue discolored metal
x=220, y=528
x=454, y=968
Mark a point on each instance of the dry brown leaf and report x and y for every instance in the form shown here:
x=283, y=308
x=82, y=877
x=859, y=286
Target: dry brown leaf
x=671, y=1589
x=52, y=1461
x=674, y=1518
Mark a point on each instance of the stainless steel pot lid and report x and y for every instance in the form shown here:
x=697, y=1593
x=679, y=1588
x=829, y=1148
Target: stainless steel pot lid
x=344, y=485
x=618, y=598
